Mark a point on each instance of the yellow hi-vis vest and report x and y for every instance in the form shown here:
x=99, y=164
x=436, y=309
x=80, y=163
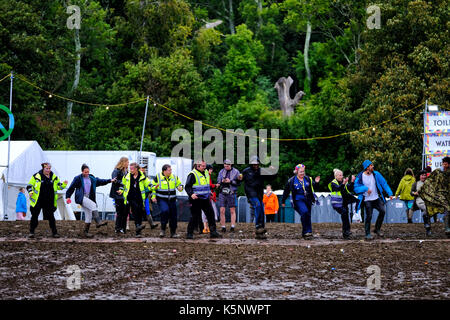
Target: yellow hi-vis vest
x=144, y=184
x=336, y=196
x=201, y=186
x=34, y=185
x=165, y=187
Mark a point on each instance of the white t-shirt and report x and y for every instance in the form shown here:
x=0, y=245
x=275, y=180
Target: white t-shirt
x=369, y=182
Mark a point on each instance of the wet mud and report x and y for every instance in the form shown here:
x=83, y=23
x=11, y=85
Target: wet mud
x=237, y=266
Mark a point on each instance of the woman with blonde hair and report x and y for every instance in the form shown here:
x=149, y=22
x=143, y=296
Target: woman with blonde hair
x=341, y=190
x=120, y=171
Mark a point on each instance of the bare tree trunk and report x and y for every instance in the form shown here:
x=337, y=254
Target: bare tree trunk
x=260, y=20
x=306, y=51
x=287, y=104
x=231, y=16
x=77, y=72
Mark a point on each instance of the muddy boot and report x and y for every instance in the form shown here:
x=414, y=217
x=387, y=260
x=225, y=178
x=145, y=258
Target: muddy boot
x=214, y=234
x=139, y=228
x=427, y=224
x=150, y=222
x=260, y=236
x=409, y=216
x=173, y=234
x=98, y=221
x=162, y=233
x=86, y=233
x=447, y=224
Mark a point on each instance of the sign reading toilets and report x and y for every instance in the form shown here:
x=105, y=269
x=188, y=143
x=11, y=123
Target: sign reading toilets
x=437, y=122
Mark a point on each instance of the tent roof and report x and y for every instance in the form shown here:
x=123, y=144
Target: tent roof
x=25, y=160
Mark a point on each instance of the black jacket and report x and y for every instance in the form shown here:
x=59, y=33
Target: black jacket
x=254, y=183
x=116, y=185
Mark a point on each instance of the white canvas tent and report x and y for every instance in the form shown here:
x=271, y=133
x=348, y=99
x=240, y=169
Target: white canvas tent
x=25, y=160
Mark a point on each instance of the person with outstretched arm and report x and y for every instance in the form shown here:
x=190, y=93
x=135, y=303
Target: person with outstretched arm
x=84, y=186
x=370, y=186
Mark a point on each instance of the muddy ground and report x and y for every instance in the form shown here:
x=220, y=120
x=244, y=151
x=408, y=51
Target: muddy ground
x=237, y=266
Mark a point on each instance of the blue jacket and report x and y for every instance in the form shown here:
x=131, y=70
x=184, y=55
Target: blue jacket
x=21, y=203
x=78, y=184
x=382, y=186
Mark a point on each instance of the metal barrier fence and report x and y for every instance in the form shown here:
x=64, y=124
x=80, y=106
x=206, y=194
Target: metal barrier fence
x=322, y=212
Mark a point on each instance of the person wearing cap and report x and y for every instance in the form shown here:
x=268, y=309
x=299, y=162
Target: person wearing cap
x=165, y=194
x=84, y=186
x=228, y=179
x=369, y=186
x=302, y=188
x=419, y=204
x=198, y=190
x=254, y=190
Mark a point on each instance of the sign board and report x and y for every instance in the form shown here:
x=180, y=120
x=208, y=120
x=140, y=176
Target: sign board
x=437, y=122
x=435, y=160
x=437, y=143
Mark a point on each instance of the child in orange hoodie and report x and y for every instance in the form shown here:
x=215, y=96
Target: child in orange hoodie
x=271, y=206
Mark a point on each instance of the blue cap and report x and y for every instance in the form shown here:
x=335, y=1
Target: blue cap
x=366, y=163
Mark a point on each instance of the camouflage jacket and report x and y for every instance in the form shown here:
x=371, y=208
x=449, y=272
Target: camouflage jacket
x=436, y=192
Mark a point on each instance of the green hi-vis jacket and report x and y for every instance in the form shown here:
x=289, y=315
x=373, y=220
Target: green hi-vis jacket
x=165, y=188
x=35, y=186
x=144, y=185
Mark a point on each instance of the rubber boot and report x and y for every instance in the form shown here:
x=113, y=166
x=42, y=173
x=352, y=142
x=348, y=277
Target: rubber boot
x=447, y=223
x=173, y=234
x=139, y=228
x=98, y=221
x=86, y=233
x=150, y=222
x=427, y=223
x=162, y=233
x=410, y=214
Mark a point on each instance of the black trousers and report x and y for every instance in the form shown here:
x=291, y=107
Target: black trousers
x=137, y=210
x=369, y=206
x=121, y=219
x=345, y=220
x=196, y=215
x=270, y=217
x=48, y=210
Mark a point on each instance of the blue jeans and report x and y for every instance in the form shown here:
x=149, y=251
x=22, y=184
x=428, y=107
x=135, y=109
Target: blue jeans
x=259, y=212
x=304, y=210
x=147, y=207
x=169, y=214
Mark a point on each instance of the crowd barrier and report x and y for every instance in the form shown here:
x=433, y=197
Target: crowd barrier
x=322, y=212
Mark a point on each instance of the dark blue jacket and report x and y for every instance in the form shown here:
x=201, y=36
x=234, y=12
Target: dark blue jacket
x=78, y=184
x=309, y=187
x=381, y=183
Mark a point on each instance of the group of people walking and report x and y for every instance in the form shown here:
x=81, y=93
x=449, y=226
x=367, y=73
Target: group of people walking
x=132, y=191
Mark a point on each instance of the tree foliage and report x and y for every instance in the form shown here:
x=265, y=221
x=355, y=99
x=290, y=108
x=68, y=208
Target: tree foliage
x=225, y=76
